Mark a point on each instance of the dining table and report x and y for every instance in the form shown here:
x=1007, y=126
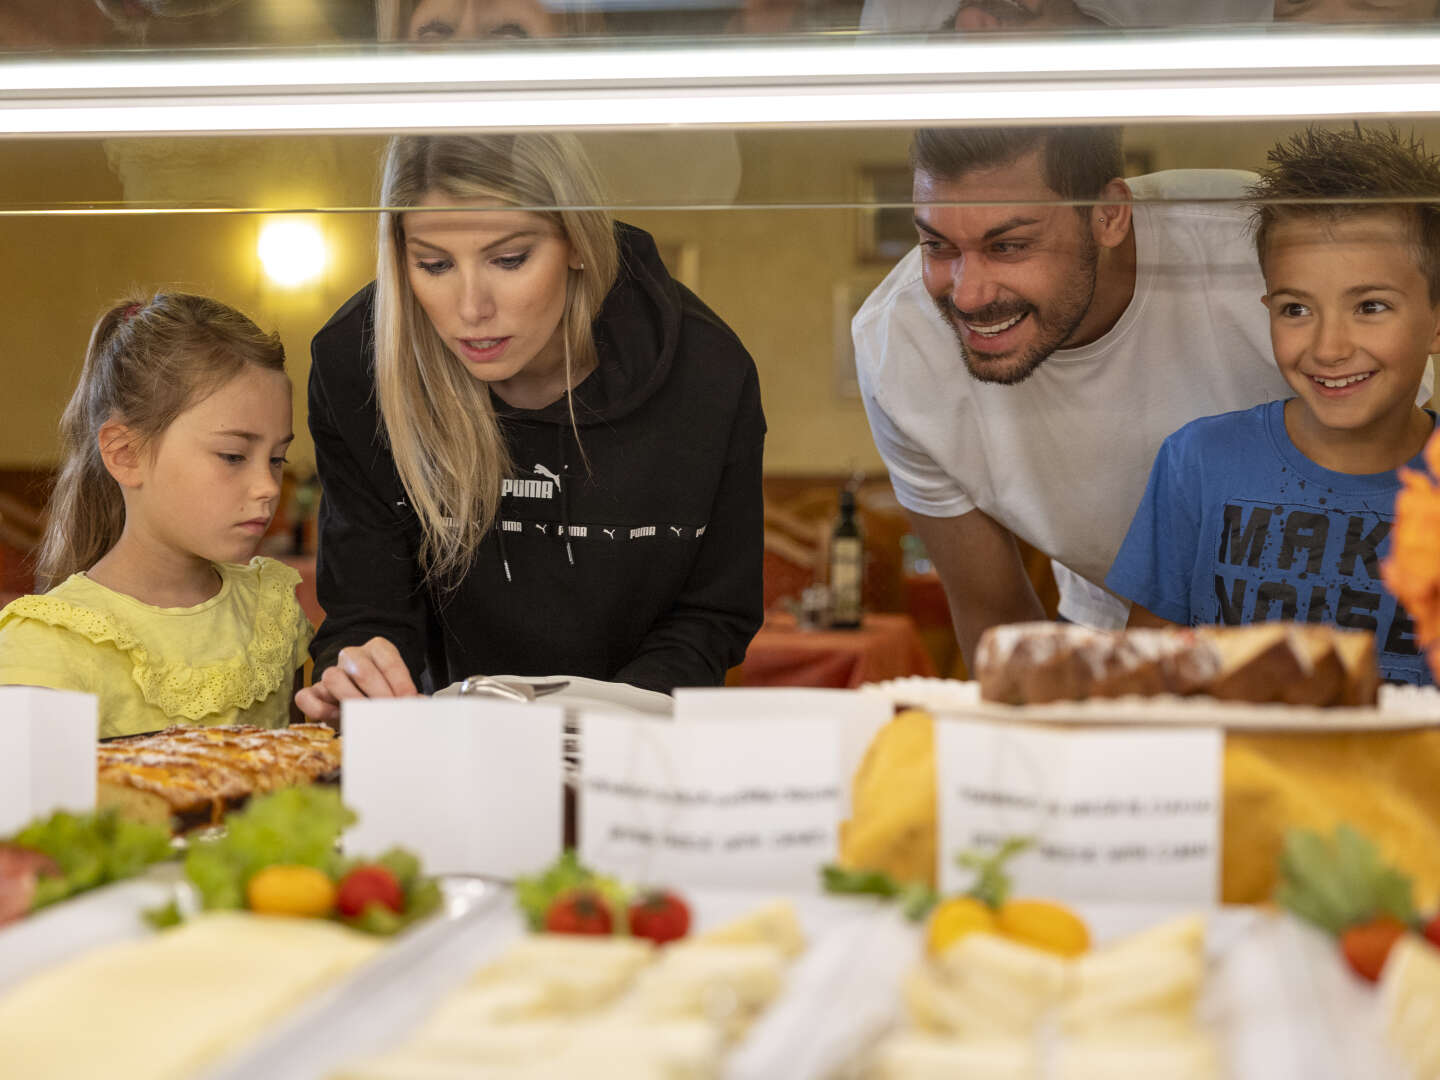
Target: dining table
x=884, y=646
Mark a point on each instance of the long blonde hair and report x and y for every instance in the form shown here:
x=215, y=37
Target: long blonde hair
x=443, y=433
x=149, y=359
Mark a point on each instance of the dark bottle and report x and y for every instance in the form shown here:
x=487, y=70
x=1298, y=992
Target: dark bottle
x=847, y=565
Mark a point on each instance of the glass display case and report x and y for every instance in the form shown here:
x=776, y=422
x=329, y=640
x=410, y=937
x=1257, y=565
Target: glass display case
x=233, y=148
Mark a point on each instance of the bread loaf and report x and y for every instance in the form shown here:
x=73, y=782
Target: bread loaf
x=1294, y=663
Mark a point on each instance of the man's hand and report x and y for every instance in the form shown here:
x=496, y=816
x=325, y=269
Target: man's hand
x=374, y=670
x=1140, y=617
x=984, y=576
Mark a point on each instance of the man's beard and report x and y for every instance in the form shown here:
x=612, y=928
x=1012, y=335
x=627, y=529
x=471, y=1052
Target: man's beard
x=1053, y=327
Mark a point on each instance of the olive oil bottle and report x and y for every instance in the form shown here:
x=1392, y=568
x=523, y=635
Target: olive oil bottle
x=847, y=565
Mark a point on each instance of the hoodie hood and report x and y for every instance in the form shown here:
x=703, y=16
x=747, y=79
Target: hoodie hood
x=636, y=337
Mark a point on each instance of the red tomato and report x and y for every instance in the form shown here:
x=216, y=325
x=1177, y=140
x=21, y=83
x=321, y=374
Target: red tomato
x=1432, y=930
x=1367, y=945
x=660, y=916
x=579, y=911
x=366, y=885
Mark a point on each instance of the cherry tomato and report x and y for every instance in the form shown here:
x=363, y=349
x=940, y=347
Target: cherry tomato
x=1367, y=945
x=660, y=916
x=366, y=885
x=1432, y=930
x=579, y=911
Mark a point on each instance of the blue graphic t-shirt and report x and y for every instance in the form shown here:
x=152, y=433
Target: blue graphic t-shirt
x=1237, y=526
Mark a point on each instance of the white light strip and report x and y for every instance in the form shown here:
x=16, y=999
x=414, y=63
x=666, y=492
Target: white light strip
x=826, y=60
x=1247, y=76
x=840, y=108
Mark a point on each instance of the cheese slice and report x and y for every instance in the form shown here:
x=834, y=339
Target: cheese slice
x=773, y=924
x=166, y=1006
x=913, y=1056
x=1410, y=1003
x=1184, y=1058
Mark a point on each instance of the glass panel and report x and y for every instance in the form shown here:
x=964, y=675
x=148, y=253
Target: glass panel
x=1079, y=336
x=37, y=26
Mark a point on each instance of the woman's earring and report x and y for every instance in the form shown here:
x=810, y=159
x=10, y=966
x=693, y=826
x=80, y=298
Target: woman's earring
x=580, y=267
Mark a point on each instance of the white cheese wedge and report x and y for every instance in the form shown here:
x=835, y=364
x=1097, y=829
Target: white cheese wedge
x=914, y=1056
x=773, y=924
x=404, y=1065
x=724, y=984
x=1409, y=1003
x=1188, y=1058
x=545, y=953
x=1102, y=989
x=983, y=962
x=210, y=986
x=573, y=973
x=993, y=1010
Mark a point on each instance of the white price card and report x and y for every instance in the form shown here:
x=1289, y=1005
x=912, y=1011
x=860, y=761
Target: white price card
x=47, y=753
x=471, y=786
x=1115, y=813
x=856, y=716
x=734, y=805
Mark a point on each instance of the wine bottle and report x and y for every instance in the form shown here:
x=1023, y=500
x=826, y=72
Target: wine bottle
x=847, y=565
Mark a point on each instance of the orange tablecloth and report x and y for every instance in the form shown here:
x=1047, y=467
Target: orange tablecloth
x=885, y=647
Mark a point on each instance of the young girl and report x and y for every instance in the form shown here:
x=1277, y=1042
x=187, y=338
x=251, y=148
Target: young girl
x=174, y=443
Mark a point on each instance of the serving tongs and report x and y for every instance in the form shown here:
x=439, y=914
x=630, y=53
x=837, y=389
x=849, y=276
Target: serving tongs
x=509, y=689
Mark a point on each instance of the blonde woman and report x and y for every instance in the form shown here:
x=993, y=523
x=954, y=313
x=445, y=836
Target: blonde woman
x=539, y=452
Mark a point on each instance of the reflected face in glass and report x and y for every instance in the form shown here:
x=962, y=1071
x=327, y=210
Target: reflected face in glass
x=1013, y=282
x=974, y=15
x=1351, y=320
x=211, y=482
x=1342, y=11
x=493, y=285
x=475, y=20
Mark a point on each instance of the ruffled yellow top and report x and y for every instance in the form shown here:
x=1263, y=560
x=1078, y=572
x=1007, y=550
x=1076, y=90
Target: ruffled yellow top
x=230, y=660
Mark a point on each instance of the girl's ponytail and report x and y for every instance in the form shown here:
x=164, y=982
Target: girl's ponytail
x=86, y=512
x=148, y=359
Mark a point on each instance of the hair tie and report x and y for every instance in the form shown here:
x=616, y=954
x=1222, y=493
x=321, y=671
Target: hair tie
x=130, y=312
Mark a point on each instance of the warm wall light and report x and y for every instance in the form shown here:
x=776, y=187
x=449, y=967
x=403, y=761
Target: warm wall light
x=292, y=252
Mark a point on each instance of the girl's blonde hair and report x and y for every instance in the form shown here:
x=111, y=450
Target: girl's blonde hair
x=149, y=359
x=443, y=433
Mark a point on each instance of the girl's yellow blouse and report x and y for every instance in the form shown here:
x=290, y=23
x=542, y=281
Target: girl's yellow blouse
x=230, y=660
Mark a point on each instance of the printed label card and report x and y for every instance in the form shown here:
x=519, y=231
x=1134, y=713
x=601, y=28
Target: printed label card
x=47, y=753
x=471, y=786
x=1117, y=814
x=728, y=805
x=857, y=716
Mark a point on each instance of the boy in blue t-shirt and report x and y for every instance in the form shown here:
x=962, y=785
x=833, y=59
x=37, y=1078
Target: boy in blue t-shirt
x=1284, y=511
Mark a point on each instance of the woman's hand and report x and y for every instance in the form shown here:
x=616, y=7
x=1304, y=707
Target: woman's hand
x=373, y=670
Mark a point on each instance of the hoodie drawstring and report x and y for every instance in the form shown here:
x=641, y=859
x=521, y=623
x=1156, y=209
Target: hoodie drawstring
x=564, y=487
x=504, y=555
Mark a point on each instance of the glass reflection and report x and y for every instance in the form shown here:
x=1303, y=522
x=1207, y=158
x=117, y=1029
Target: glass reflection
x=978, y=16
x=40, y=25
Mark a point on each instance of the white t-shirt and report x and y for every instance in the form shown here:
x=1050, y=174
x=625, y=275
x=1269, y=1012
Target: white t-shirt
x=902, y=15
x=1061, y=460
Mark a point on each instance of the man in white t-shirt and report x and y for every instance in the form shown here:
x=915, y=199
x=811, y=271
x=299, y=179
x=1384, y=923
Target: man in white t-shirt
x=1021, y=367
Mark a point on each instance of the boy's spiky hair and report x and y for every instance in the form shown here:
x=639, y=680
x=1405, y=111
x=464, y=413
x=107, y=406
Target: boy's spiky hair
x=1329, y=175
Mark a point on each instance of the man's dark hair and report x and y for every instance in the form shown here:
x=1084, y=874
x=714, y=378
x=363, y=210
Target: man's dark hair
x=1352, y=171
x=1077, y=162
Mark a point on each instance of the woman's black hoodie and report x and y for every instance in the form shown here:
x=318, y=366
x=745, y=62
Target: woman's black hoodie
x=638, y=561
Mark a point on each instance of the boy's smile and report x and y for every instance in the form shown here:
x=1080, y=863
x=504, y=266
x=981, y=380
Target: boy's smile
x=1352, y=324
